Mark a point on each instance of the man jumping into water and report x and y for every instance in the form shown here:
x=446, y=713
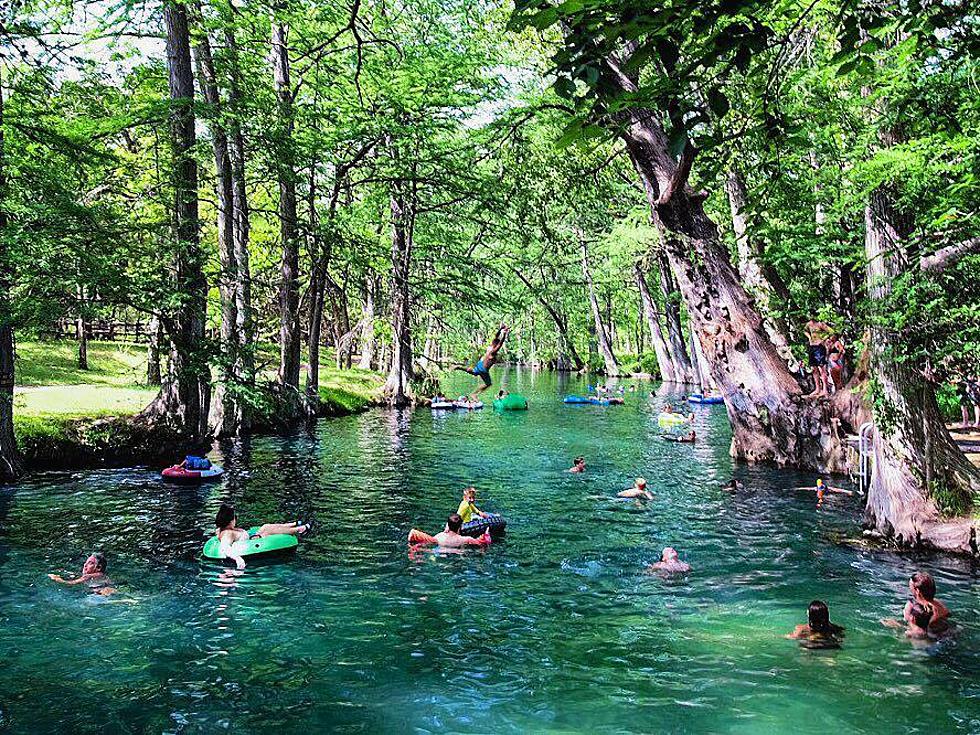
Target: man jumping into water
x=482, y=369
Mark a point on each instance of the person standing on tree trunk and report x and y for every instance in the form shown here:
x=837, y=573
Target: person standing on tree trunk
x=482, y=369
x=817, y=333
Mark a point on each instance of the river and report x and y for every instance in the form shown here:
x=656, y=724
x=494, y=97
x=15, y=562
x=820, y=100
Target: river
x=558, y=628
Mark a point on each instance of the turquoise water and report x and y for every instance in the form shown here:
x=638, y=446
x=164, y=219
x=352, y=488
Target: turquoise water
x=556, y=629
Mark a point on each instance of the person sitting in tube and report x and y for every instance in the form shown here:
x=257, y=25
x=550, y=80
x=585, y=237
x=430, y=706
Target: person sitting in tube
x=467, y=507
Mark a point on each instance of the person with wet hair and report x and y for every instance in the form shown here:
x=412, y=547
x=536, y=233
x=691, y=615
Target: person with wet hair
x=234, y=540
x=922, y=590
x=818, y=632
x=578, y=465
x=670, y=563
x=639, y=490
x=93, y=574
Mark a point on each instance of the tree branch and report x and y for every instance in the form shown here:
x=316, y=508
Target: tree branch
x=681, y=174
x=948, y=256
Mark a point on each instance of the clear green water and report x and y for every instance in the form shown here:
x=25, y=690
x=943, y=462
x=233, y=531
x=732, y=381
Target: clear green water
x=558, y=629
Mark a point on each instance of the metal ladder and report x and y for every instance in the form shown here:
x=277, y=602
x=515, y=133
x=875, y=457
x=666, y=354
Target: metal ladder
x=865, y=447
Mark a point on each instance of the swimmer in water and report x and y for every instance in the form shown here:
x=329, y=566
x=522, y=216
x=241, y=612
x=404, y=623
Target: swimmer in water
x=639, y=490
x=822, y=489
x=578, y=465
x=818, y=632
x=688, y=438
x=670, y=563
x=732, y=486
x=449, y=537
x=93, y=574
x=922, y=591
x=234, y=540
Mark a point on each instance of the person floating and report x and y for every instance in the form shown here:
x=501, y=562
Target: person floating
x=688, y=438
x=818, y=632
x=234, y=540
x=817, y=333
x=822, y=489
x=639, y=490
x=482, y=368
x=93, y=574
x=449, y=537
x=467, y=507
x=578, y=465
x=670, y=563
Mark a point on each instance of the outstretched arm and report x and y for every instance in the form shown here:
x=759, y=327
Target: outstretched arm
x=58, y=578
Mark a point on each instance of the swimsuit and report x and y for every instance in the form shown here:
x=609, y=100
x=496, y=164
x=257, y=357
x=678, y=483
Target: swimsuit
x=818, y=355
x=482, y=372
x=236, y=547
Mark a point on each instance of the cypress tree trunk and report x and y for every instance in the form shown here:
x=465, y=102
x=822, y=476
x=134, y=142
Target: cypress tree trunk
x=289, y=333
x=367, y=331
x=668, y=373
x=185, y=395
x=602, y=336
x=82, y=328
x=770, y=422
x=915, y=459
x=153, y=371
x=676, y=344
x=245, y=325
x=10, y=460
x=229, y=415
x=398, y=387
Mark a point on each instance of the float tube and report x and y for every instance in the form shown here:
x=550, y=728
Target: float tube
x=267, y=546
x=468, y=405
x=443, y=406
x=582, y=400
x=669, y=420
x=491, y=522
x=511, y=402
x=181, y=476
x=698, y=398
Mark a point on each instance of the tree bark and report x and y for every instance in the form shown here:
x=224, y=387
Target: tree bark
x=10, y=459
x=245, y=325
x=289, y=333
x=398, y=387
x=916, y=461
x=153, y=371
x=668, y=372
x=229, y=413
x=676, y=344
x=81, y=326
x=185, y=395
x=770, y=422
x=602, y=336
x=367, y=330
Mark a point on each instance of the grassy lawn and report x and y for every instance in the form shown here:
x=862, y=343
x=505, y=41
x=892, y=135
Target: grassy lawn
x=51, y=390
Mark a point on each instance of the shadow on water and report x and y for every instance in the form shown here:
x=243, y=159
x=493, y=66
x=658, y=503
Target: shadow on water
x=558, y=627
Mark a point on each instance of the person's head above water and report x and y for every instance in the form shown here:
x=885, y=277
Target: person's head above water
x=923, y=584
x=669, y=554
x=225, y=517
x=95, y=564
x=579, y=461
x=640, y=483
x=920, y=615
x=818, y=617
x=454, y=522
x=501, y=393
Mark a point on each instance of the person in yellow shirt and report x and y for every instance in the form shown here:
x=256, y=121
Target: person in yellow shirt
x=467, y=507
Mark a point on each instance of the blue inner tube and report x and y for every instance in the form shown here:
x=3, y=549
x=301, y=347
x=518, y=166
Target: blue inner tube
x=477, y=526
x=698, y=398
x=586, y=399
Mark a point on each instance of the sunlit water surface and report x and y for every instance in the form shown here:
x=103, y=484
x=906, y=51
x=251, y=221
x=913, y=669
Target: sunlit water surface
x=558, y=628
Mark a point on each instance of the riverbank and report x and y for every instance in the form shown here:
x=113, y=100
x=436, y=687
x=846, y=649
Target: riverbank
x=66, y=418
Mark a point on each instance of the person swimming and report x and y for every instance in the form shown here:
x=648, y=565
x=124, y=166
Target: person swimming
x=93, y=574
x=234, y=540
x=670, y=563
x=467, y=507
x=818, y=632
x=578, y=465
x=639, y=490
x=732, y=486
x=449, y=537
x=688, y=438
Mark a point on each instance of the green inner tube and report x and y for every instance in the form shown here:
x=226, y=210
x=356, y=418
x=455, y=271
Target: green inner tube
x=511, y=402
x=279, y=543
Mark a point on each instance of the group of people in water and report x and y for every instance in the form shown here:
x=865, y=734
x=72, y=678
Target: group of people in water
x=925, y=619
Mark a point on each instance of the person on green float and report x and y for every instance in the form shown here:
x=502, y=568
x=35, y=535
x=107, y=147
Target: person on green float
x=482, y=368
x=467, y=507
x=234, y=540
x=93, y=574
